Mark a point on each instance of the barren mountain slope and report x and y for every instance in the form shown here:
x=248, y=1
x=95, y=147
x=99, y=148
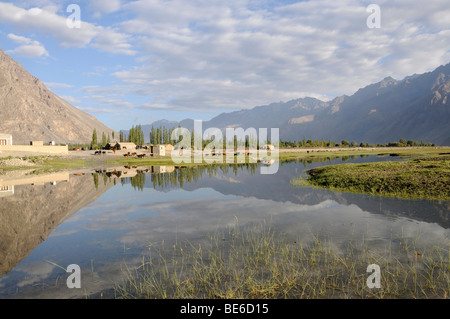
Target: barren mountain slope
x=30, y=111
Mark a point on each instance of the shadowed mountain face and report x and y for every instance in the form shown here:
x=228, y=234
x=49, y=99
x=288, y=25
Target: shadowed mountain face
x=416, y=108
x=30, y=111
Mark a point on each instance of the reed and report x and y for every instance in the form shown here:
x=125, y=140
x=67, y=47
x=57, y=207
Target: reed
x=257, y=262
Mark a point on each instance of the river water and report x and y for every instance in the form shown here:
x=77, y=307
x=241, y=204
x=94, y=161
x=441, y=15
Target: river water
x=105, y=219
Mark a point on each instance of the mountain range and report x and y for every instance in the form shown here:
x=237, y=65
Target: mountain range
x=416, y=108
x=30, y=111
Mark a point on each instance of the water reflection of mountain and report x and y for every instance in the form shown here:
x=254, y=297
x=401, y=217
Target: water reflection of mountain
x=245, y=180
x=33, y=203
x=29, y=215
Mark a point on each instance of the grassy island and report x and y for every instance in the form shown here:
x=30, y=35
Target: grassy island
x=422, y=177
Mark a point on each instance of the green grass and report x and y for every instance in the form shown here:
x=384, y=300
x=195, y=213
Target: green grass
x=257, y=262
x=60, y=162
x=422, y=177
x=397, y=151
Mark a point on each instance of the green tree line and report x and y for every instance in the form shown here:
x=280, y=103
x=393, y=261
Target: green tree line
x=345, y=143
x=163, y=135
x=95, y=143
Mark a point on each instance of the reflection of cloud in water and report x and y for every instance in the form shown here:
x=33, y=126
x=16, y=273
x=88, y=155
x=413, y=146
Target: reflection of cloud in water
x=124, y=220
x=227, y=179
x=36, y=272
x=101, y=205
x=57, y=233
x=338, y=223
x=115, y=218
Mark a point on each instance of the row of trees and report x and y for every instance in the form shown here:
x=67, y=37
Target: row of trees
x=163, y=135
x=345, y=143
x=105, y=140
x=158, y=135
x=135, y=135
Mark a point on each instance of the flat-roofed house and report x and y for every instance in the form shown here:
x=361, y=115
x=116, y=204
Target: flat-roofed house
x=6, y=190
x=127, y=146
x=5, y=139
x=158, y=149
x=168, y=147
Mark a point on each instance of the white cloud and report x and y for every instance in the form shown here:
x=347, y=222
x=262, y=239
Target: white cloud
x=29, y=48
x=94, y=110
x=112, y=41
x=19, y=39
x=70, y=99
x=215, y=54
x=47, y=22
x=100, y=7
x=29, y=51
x=57, y=85
x=212, y=54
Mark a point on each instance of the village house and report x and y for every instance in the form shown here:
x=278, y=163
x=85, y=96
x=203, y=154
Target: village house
x=127, y=146
x=6, y=145
x=5, y=139
x=159, y=150
x=168, y=147
x=6, y=190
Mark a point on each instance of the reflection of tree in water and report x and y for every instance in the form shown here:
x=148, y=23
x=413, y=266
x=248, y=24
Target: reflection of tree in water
x=138, y=181
x=189, y=174
x=95, y=175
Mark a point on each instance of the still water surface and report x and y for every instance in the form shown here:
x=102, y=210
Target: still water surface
x=103, y=220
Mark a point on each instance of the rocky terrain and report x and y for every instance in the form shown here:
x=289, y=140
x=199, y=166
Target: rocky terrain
x=30, y=111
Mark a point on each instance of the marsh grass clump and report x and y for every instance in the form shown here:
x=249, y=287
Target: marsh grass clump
x=427, y=178
x=260, y=263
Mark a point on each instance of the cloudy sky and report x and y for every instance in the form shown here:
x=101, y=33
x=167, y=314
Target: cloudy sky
x=133, y=62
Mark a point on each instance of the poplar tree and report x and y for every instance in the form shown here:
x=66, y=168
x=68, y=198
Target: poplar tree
x=103, y=139
x=94, y=142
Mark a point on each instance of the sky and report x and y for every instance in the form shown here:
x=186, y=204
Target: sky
x=138, y=61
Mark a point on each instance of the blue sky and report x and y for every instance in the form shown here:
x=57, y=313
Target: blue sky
x=134, y=62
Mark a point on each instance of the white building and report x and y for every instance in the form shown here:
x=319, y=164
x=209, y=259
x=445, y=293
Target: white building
x=158, y=149
x=5, y=139
x=6, y=190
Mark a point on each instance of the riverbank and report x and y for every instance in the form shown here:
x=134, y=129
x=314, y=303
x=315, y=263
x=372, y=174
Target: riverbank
x=422, y=177
x=84, y=159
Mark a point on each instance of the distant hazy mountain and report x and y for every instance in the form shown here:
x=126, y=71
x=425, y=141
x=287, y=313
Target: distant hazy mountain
x=30, y=111
x=417, y=108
